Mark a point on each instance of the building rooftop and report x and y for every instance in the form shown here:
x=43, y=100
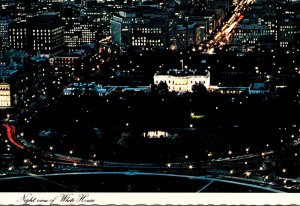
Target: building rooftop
x=184, y=72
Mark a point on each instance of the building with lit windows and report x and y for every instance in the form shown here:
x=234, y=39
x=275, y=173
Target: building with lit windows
x=46, y=33
x=5, y=98
x=9, y=76
x=184, y=35
x=43, y=33
x=150, y=35
x=288, y=23
x=140, y=27
x=183, y=80
x=18, y=35
x=78, y=34
x=4, y=26
x=257, y=30
x=6, y=3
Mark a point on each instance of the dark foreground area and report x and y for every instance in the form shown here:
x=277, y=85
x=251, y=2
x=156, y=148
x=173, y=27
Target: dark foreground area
x=123, y=182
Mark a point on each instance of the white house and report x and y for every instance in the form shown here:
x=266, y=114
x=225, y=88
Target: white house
x=183, y=80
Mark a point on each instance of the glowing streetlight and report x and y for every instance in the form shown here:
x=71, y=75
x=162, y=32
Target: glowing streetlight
x=51, y=148
x=247, y=174
x=169, y=165
x=247, y=150
x=231, y=172
x=230, y=152
x=284, y=170
x=190, y=166
x=71, y=152
x=186, y=156
x=32, y=141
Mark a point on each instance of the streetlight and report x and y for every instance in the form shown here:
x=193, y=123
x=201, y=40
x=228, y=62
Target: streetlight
x=247, y=174
x=190, y=166
x=32, y=141
x=51, y=150
x=266, y=177
x=247, y=150
x=169, y=165
x=71, y=152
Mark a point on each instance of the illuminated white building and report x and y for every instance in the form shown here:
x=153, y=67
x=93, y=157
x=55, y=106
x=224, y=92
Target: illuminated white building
x=183, y=80
x=5, y=98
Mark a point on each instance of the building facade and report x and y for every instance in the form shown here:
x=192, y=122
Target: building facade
x=43, y=33
x=5, y=96
x=183, y=80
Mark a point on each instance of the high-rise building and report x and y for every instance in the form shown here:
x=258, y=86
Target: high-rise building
x=150, y=35
x=139, y=28
x=43, y=33
x=46, y=33
x=78, y=34
x=4, y=25
x=184, y=35
x=18, y=35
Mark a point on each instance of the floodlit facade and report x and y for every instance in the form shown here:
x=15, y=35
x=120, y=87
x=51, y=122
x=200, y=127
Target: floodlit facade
x=5, y=98
x=183, y=80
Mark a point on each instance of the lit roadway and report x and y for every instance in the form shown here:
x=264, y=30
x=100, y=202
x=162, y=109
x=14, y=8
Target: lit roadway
x=222, y=36
x=219, y=168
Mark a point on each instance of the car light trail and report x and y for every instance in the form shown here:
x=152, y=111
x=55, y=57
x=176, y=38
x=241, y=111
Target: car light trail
x=9, y=135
